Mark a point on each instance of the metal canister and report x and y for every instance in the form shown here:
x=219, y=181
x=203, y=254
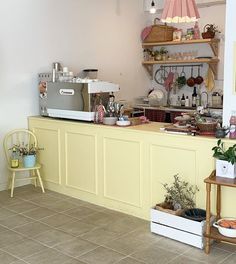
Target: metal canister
x=56, y=67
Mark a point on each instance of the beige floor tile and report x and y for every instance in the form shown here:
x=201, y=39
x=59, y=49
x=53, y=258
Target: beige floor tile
x=30, y=195
x=7, y=201
x=99, y=236
x=3, y=229
x=99, y=219
x=185, y=260
x=173, y=245
x=9, y=237
x=216, y=255
x=126, y=245
x=144, y=234
x=57, y=220
x=125, y=225
x=154, y=255
x=76, y=247
x=94, y=207
x=45, y=199
x=32, y=229
x=74, y=261
x=129, y=260
x=15, y=221
x=39, y=213
x=24, y=248
x=76, y=228
x=101, y=255
x=58, y=195
x=225, y=246
x=5, y=213
x=53, y=237
x=231, y=259
x=48, y=256
x=80, y=212
x=22, y=207
x=60, y=206
x=6, y=258
x=18, y=262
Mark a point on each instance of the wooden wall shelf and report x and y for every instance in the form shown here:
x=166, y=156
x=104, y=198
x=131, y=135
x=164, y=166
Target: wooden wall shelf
x=213, y=63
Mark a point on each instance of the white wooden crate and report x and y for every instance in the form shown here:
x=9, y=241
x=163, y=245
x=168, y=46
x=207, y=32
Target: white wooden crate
x=178, y=228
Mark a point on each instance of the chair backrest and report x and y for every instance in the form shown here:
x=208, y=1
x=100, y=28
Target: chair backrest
x=18, y=137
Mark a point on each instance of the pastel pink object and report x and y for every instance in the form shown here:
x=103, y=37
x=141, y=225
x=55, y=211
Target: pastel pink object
x=146, y=31
x=180, y=11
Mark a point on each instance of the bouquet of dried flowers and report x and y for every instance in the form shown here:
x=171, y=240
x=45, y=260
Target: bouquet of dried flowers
x=26, y=149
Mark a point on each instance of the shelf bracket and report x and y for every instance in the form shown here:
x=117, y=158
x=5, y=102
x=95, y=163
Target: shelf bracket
x=149, y=69
x=215, y=48
x=214, y=68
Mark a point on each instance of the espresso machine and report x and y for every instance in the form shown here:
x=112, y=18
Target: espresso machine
x=72, y=100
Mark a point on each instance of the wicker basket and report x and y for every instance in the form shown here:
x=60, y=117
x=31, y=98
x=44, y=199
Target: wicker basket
x=207, y=127
x=160, y=33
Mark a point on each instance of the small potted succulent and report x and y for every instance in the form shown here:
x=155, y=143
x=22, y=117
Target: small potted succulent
x=164, y=53
x=225, y=160
x=209, y=31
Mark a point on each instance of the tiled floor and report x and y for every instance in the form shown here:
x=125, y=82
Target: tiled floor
x=51, y=228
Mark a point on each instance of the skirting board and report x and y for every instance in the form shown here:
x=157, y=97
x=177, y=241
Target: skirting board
x=4, y=186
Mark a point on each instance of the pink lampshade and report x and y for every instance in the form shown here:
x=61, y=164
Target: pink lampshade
x=179, y=11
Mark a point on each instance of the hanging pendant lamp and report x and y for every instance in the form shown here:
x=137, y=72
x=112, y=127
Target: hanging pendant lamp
x=180, y=11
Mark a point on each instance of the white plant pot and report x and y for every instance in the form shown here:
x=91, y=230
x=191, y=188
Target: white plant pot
x=225, y=169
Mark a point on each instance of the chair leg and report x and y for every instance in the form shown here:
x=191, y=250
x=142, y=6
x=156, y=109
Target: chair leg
x=40, y=180
x=35, y=180
x=12, y=183
x=9, y=181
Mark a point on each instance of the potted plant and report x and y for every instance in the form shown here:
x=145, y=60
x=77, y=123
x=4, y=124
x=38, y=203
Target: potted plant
x=225, y=160
x=209, y=31
x=163, y=52
x=179, y=196
x=28, y=153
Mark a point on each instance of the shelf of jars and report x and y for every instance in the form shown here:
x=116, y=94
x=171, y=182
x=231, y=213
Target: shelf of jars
x=211, y=61
x=213, y=43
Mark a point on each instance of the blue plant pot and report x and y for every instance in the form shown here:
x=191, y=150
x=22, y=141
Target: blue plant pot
x=29, y=161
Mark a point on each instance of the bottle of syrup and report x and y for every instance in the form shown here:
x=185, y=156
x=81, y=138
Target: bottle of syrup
x=183, y=100
x=194, y=97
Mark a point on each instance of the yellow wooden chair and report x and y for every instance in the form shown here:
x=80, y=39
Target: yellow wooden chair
x=19, y=137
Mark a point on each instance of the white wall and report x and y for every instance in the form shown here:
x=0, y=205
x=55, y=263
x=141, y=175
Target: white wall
x=79, y=33
x=229, y=95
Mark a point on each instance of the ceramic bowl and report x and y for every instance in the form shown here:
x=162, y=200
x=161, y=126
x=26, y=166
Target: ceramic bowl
x=226, y=231
x=123, y=123
x=110, y=121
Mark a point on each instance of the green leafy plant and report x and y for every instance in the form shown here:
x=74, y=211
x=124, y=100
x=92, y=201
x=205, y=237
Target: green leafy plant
x=222, y=154
x=163, y=50
x=180, y=194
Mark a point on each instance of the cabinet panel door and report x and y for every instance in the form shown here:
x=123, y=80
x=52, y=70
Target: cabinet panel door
x=80, y=161
x=122, y=170
x=49, y=157
x=165, y=162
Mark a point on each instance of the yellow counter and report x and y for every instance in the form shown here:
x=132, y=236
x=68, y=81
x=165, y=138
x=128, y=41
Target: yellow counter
x=123, y=168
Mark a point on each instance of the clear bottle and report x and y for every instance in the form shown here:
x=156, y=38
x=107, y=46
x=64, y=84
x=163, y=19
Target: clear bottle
x=187, y=102
x=14, y=158
x=232, y=129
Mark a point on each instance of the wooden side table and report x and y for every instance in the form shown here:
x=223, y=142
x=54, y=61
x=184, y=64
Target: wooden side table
x=212, y=232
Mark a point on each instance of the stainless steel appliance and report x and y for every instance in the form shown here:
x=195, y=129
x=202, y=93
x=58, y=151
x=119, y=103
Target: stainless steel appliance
x=72, y=100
